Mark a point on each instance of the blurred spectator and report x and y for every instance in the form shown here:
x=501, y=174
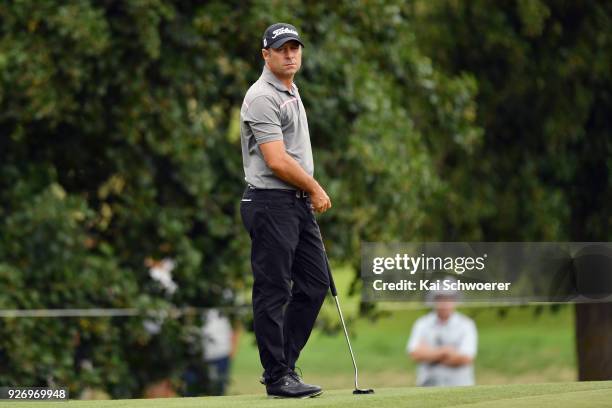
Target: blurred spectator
x=161, y=272
x=160, y=389
x=83, y=366
x=159, y=383
x=219, y=342
x=444, y=343
x=220, y=345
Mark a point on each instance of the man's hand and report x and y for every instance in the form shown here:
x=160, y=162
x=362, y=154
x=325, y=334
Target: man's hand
x=452, y=358
x=446, y=355
x=444, y=352
x=427, y=354
x=320, y=200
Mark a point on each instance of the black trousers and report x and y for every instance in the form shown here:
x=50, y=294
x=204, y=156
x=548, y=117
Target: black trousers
x=290, y=274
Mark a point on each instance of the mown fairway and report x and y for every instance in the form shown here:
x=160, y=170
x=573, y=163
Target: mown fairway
x=586, y=394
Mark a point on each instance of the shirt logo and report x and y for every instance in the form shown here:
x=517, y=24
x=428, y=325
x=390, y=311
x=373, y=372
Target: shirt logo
x=283, y=30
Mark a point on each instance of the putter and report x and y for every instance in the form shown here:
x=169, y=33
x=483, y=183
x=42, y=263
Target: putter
x=334, y=292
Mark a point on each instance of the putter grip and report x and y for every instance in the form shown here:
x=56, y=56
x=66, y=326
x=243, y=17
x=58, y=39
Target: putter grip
x=332, y=285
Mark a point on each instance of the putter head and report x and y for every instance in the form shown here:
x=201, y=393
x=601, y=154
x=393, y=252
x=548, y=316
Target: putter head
x=362, y=391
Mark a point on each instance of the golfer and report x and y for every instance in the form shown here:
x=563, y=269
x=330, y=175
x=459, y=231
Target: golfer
x=277, y=209
x=444, y=343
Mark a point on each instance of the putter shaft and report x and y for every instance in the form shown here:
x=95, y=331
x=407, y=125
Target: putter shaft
x=348, y=341
x=334, y=292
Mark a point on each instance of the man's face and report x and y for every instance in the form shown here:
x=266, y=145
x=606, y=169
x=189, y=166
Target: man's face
x=445, y=305
x=284, y=61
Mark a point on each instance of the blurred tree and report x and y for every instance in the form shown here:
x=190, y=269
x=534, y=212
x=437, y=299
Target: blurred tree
x=119, y=144
x=108, y=110
x=545, y=94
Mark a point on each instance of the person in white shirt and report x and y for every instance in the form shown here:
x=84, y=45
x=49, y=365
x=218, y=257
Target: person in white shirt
x=219, y=344
x=444, y=343
x=220, y=341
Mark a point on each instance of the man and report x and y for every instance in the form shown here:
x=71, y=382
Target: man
x=277, y=209
x=218, y=340
x=444, y=344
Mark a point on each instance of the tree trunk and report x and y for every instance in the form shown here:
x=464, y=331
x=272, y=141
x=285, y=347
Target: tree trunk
x=590, y=197
x=594, y=341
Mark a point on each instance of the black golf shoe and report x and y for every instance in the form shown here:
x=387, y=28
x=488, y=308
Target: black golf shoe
x=291, y=386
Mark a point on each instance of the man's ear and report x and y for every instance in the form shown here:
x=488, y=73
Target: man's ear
x=265, y=53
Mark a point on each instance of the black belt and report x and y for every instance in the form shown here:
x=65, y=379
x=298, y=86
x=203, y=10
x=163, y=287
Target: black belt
x=297, y=193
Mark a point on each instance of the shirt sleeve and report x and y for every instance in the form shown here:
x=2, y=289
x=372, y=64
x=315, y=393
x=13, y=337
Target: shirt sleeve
x=264, y=118
x=416, y=336
x=469, y=342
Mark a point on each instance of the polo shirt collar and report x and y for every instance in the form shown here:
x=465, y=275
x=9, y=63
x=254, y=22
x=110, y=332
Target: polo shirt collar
x=270, y=78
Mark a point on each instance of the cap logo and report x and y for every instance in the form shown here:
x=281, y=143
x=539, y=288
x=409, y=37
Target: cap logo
x=283, y=30
x=265, y=42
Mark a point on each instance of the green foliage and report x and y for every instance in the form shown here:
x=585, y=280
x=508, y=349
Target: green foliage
x=104, y=141
x=382, y=117
x=543, y=71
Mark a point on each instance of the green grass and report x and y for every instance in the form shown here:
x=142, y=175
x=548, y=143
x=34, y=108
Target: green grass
x=521, y=347
x=585, y=394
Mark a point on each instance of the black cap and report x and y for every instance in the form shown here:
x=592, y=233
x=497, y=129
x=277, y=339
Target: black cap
x=278, y=34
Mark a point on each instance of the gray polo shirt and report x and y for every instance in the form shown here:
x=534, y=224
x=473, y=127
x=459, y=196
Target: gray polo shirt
x=271, y=112
x=459, y=331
